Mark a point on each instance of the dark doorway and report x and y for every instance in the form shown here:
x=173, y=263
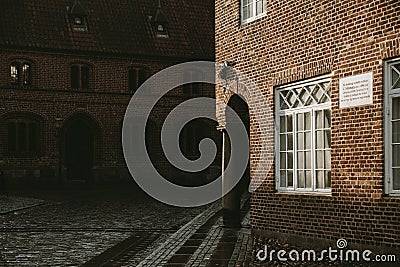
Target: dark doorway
x=79, y=149
x=231, y=201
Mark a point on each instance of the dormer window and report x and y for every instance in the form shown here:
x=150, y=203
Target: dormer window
x=159, y=23
x=78, y=21
x=78, y=18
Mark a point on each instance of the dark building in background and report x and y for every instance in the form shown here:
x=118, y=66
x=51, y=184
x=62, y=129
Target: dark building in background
x=68, y=70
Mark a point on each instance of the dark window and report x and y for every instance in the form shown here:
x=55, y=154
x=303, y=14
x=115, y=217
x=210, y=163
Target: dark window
x=136, y=78
x=20, y=74
x=79, y=76
x=78, y=17
x=192, y=88
x=22, y=136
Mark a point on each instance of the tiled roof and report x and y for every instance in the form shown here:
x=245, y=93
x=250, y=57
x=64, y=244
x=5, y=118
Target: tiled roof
x=116, y=26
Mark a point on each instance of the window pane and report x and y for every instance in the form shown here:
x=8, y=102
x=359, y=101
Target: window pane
x=396, y=155
x=14, y=73
x=259, y=7
x=308, y=160
x=74, y=77
x=395, y=75
x=307, y=140
x=327, y=159
x=308, y=179
x=26, y=70
x=250, y=10
x=307, y=121
x=85, y=77
x=245, y=12
x=319, y=119
x=283, y=142
x=300, y=141
x=289, y=123
x=290, y=160
x=282, y=124
x=320, y=159
x=320, y=139
x=21, y=137
x=290, y=178
x=290, y=142
x=396, y=179
x=300, y=160
x=283, y=179
x=396, y=108
x=283, y=161
x=327, y=138
x=300, y=179
x=300, y=122
x=327, y=118
x=320, y=179
x=327, y=179
x=12, y=136
x=396, y=132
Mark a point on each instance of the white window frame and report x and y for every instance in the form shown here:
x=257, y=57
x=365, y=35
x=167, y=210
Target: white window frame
x=293, y=111
x=389, y=95
x=254, y=17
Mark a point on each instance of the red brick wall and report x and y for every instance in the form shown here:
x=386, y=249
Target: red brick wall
x=51, y=97
x=303, y=39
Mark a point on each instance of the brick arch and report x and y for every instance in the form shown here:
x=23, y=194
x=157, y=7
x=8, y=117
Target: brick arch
x=262, y=127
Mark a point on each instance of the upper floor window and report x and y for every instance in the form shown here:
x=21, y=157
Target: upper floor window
x=22, y=135
x=80, y=76
x=392, y=126
x=20, y=73
x=136, y=77
x=78, y=17
x=191, y=87
x=252, y=9
x=303, y=136
x=159, y=22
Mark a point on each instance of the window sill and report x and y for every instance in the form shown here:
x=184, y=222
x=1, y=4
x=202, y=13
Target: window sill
x=249, y=20
x=392, y=195
x=303, y=193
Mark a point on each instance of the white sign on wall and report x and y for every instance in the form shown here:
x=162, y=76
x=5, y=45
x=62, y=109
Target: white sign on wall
x=356, y=90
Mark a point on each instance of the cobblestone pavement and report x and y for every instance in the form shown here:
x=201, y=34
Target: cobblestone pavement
x=124, y=227
x=74, y=225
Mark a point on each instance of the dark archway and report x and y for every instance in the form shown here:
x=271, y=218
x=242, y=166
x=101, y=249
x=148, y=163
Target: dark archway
x=231, y=201
x=80, y=138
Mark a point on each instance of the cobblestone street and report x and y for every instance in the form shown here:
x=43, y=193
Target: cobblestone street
x=74, y=225
x=122, y=226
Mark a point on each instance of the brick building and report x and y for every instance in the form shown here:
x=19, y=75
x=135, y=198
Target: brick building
x=68, y=70
x=327, y=77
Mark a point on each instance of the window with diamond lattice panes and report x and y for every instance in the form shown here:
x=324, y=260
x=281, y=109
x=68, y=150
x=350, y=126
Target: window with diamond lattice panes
x=392, y=127
x=304, y=136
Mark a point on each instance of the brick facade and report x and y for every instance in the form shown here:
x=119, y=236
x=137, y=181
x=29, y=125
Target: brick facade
x=297, y=40
x=113, y=44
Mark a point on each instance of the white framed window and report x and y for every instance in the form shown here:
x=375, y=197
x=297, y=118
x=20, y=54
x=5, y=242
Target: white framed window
x=392, y=126
x=303, y=136
x=252, y=9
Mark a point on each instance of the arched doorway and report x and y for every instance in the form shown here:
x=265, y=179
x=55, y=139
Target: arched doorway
x=80, y=136
x=231, y=201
